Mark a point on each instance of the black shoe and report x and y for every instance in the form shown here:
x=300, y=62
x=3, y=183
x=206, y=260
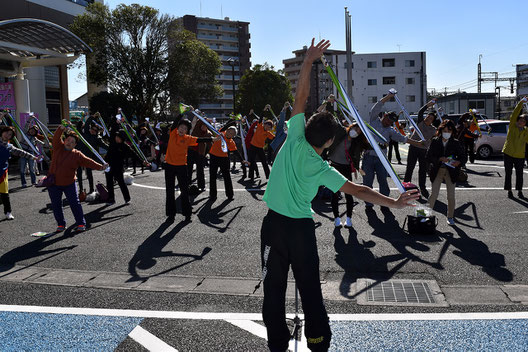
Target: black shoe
x=188, y=218
x=510, y=194
x=170, y=219
x=520, y=194
x=425, y=193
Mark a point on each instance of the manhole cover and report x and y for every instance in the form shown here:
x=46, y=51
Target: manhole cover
x=400, y=292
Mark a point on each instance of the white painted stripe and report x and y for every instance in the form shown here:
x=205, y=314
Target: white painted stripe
x=521, y=212
x=256, y=316
x=392, y=189
x=250, y=326
x=149, y=341
x=299, y=346
x=207, y=190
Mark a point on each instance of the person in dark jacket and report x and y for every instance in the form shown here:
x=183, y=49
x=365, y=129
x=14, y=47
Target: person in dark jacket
x=196, y=155
x=345, y=155
x=446, y=155
x=146, y=145
x=417, y=154
x=118, y=151
x=467, y=134
x=90, y=132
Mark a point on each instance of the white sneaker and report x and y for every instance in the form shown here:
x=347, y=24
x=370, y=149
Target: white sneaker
x=10, y=216
x=451, y=221
x=348, y=222
x=337, y=222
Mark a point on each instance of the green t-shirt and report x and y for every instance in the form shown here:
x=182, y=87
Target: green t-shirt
x=297, y=173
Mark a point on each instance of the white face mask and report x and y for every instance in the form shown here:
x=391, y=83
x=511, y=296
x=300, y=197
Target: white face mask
x=353, y=133
x=446, y=135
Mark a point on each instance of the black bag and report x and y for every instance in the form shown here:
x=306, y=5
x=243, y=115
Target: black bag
x=462, y=176
x=421, y=225
x=102, y=191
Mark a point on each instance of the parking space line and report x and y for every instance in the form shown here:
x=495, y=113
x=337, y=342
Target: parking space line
x=149, y=341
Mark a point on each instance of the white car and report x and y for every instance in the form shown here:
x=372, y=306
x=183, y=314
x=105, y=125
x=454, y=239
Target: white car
x=491, y=143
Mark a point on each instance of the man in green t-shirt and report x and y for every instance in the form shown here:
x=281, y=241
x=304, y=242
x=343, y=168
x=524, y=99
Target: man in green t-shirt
x=288, y=230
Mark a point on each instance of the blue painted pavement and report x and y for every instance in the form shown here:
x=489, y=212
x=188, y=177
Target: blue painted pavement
x=431, y=335
x=62, y=332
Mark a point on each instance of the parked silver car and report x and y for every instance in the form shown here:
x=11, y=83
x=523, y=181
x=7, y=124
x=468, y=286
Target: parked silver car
x=491, y=143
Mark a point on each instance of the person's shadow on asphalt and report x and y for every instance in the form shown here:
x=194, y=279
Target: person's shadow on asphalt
x=214, y=216
x=476, y=253
x=152, y=248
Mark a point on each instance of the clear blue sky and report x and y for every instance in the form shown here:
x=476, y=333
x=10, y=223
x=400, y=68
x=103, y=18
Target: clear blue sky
x=452, y=33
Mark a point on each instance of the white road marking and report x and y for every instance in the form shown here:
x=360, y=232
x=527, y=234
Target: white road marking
x=149, y=341
x=521, y=212
x=250, y=326
x=257, y=316
x=392, y=189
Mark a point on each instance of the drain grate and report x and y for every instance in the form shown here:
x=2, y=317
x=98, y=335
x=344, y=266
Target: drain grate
x=400, y=292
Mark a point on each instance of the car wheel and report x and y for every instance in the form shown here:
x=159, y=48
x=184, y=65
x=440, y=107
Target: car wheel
x=484, y=151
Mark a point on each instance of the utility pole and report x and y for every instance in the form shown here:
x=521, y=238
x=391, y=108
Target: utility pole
x=348, y=38
x=479, y=73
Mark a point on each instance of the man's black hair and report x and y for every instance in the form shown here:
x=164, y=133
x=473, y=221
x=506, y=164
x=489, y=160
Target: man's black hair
x=392, y=116
x=187, y=123
x=320, y=128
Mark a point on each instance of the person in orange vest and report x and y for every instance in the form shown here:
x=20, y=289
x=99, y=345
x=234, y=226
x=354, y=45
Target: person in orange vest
x=256, y=148
x=220, y=159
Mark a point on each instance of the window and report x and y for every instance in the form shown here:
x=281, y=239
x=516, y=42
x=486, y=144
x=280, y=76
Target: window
x=507, y=103
x=372, y=100
x=409, y=80
x=410, y=98
x=476, y=104
x=352, y=82
x=372, y=82
x=451, y=107
x=499, y=128
x=389, y=80
x=371, y=64
x=388, y=62
x=409, y=63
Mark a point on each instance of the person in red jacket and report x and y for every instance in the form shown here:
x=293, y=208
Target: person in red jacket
x=64, y=164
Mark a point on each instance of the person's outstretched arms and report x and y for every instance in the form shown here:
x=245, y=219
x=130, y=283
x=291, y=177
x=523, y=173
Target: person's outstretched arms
x=303, y=86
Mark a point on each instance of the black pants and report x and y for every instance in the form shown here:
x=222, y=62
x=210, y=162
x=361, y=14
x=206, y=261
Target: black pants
x=193, y=157
x=171, y=173
x=469, y=144
x=346, y=171
x=287, y=241
x=396, y=147
x=89, y=176
x=5, y=200
x=116, y=173
x=417, y=154
x=222, y=163
x=509, y=163
x=253, y=152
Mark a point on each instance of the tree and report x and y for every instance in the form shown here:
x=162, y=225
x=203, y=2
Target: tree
x=107, y=104
x=262, y=85
x=130, y=52
x=193, y=69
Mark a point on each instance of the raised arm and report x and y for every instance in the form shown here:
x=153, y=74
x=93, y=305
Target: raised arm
x=422, y=111
x=303, y=86
x=376, y=109
x=516, y=112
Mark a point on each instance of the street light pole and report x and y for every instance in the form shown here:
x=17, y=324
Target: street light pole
x=232, y=62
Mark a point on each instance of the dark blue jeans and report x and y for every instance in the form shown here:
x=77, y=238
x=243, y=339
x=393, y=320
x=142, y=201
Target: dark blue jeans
x=70, y=191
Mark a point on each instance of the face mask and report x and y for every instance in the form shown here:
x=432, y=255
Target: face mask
x=353, y=133
x=446, y=135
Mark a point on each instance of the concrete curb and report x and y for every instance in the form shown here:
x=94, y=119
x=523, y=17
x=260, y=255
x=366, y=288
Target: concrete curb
x=248, y=287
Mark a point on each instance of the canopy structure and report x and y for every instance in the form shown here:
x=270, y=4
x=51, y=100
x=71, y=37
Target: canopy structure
x=27, y=42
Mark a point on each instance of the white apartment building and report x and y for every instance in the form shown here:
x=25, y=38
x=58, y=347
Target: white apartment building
x=374, y=74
